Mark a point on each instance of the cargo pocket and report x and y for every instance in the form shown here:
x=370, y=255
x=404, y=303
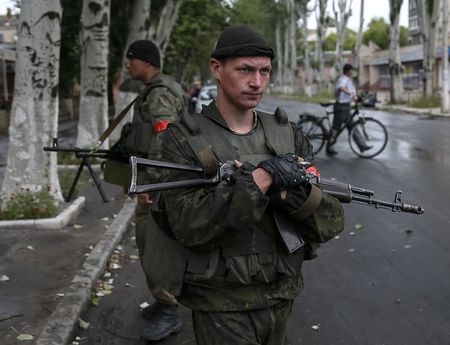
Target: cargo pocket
x=201, y=266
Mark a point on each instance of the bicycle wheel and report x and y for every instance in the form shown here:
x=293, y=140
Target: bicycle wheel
x=314, y=131
x=370, y=131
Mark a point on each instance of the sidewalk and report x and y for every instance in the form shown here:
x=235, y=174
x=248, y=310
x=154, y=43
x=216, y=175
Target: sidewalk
x=403, y=108
x=41, y=293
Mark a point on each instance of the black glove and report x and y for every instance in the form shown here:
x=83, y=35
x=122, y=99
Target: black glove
x=286, y=171
x=295, y=198
x=229, y=172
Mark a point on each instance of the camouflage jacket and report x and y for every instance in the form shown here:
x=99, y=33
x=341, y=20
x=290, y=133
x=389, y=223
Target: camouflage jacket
x=221, y=224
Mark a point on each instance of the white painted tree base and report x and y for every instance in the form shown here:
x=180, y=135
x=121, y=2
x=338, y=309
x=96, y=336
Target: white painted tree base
x=56, y=223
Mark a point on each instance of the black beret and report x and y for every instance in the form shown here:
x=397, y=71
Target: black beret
x=144, y=50
x=241, y=40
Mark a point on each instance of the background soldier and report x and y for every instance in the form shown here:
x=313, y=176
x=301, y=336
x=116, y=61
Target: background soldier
x=239, y=280
x=159, y=103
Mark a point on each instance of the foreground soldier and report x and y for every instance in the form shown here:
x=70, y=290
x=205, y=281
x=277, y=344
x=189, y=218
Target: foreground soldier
x=240, y=281
x=160, y=102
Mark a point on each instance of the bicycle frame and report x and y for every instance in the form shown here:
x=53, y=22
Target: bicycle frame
x=329, y=125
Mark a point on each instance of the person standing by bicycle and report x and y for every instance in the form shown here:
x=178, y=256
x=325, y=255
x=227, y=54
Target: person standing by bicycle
x=345, y=95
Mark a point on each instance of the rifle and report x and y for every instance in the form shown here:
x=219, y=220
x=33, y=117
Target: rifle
x=342, y=191
x=82, y=154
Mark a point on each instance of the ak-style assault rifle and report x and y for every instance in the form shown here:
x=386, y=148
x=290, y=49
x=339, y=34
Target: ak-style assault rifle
x=82, y=154
x=344, y=192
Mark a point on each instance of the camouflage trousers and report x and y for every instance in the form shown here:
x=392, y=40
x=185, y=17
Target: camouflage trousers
x=255, y=327
x=140, y=217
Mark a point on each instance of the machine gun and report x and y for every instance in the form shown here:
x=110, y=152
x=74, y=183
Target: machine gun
x=344, y=192
x=82, y=154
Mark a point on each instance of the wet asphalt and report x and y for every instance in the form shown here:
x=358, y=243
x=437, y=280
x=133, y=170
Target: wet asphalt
x=384, y=281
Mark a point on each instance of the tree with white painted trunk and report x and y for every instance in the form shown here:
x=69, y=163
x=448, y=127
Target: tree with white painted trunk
x=303, y=13
x=342, y=14
x=395, y=65
x=93, y=118
x=428, y=11
x=34, y=113
x=321, y=31
x=286, y=17
x=356, y=60
x=445, y=98
x=160, y=30
x=139, y=29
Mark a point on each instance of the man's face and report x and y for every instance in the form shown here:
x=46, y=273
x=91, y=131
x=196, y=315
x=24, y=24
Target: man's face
x=242, y=80
x=136, y=68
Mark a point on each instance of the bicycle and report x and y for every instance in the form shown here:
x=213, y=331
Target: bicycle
x=318, y=130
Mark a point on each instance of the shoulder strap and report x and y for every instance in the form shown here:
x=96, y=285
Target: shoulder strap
x=278, y=132
x=122, y=114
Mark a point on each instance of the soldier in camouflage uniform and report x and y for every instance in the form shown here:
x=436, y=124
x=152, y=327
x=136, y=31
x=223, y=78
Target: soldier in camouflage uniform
x=239, y=279
x=160, y=102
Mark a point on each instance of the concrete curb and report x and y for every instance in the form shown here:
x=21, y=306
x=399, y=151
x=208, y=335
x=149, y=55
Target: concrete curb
x=56, y=223
x=63, y=320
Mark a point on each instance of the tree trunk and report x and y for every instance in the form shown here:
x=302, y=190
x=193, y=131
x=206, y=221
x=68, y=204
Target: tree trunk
x=395, y=66
x=34, y=113
x=94, y=72
x=445, y=96
x=356, y=59
x=278, y=51
x=303, y=14
x=428, y=17
x=321, y=30
x=341, y=15
x=139, y=29
x=160, y=34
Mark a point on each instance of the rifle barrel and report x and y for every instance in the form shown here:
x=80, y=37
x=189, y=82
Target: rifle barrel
x=72, y=149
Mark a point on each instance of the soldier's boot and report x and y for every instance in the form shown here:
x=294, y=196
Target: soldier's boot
x=164, y=320
x=330, y=143
x=360, y=141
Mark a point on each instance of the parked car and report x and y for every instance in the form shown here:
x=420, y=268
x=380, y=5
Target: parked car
x=206, y=95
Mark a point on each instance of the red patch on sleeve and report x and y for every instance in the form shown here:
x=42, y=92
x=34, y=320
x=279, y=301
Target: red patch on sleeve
x=160, y=126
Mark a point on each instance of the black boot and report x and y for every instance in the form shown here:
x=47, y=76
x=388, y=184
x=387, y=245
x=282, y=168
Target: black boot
x=164, y=321
x=331, y=151
x=361, y=141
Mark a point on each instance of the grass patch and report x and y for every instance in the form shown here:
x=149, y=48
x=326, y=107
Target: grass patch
x=36, y=205
x=28, y=205
x=66, y=179
x=322, y=97
x=426, y=102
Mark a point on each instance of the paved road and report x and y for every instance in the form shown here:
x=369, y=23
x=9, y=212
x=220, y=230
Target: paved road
x=384, y=281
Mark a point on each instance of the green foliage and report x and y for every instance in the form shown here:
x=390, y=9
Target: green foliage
x=28, y=205
x=118, y=32
x=66, y=178
x=404, y=34
x=193, y=37
x=377, y=32
x=69, y=68
x=329, y=43
x=321, y=97
x=426, y=102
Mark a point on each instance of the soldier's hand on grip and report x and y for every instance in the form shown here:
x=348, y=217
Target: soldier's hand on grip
x=286, y=171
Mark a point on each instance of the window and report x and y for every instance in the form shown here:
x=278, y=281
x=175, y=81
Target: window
x=413, y=24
